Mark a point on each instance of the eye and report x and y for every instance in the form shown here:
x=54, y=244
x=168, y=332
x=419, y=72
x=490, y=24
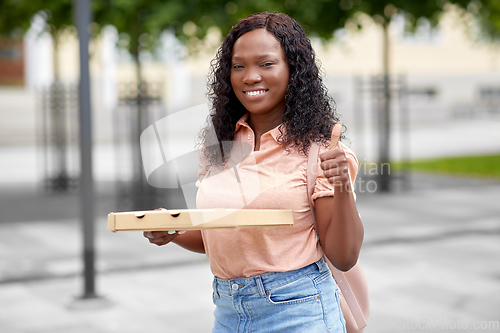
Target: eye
x=267, y=64
x=237, y=66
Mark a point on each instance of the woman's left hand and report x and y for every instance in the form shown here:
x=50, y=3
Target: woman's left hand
x=334, y=161
x=339, y=227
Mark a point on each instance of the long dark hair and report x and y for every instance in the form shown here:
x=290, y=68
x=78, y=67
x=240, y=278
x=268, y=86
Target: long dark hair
x=309, y=113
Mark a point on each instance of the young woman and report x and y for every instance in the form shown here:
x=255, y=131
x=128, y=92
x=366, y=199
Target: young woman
x=267, y=92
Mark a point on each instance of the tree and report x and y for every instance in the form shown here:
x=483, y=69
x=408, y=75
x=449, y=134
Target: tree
x=487, y=16
x=144, y=20
x=324, y=17
x=16, y=16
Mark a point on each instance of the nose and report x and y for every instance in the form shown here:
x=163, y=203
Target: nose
x=252, y=76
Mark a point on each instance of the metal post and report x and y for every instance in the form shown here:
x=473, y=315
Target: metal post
x=82, y=11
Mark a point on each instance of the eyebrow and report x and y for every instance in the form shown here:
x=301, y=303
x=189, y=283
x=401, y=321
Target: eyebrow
x=259, y=57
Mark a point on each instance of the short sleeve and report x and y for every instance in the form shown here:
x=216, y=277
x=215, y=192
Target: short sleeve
x=323, y=188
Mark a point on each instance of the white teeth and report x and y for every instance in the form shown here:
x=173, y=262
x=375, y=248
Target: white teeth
x=254, y=93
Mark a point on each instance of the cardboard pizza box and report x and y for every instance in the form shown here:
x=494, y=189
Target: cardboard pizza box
x=198, y=219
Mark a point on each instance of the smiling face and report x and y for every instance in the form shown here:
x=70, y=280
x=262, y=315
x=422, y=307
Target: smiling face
x=259, y=73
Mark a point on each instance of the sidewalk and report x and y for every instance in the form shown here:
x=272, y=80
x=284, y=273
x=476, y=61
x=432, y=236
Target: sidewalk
x=431, y=256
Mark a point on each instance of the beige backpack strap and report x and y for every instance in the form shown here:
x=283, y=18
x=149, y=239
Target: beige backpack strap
x=339, y=276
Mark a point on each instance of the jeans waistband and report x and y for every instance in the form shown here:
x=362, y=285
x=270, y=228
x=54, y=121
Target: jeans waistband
x=259, y=283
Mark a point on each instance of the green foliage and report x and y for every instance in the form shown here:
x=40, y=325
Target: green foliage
x=16, y=15
x=483, y=166
x=143, y=20
x=487, y=13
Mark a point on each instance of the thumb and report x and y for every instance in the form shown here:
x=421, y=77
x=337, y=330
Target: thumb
x=334, y=140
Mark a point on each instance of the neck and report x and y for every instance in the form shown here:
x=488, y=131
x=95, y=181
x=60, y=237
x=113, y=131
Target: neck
x=261, y=124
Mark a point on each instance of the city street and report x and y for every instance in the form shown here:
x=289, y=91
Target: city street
x=104, y=105
x=431, y=256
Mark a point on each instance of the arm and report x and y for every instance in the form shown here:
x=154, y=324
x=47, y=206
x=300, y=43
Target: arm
x=339, y=225
x=190, y=240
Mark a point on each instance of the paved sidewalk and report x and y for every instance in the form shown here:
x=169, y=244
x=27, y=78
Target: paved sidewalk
x=431, y=255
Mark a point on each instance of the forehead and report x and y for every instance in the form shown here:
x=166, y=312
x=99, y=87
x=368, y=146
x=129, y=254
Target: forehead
x=256, y=43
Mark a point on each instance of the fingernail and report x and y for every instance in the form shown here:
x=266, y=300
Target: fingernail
x=171, y=232
x=180, y=232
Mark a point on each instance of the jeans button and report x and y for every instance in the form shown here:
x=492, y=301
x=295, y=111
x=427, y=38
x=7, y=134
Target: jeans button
x=234, y=286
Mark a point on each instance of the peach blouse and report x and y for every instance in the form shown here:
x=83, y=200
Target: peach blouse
x=270, y=178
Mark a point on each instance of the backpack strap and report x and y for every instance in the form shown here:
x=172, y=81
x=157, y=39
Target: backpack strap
x=339, y=276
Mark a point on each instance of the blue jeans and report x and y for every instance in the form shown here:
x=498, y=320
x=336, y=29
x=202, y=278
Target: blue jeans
x=303, y=300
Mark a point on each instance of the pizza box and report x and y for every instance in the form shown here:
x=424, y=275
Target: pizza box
x=198, y=219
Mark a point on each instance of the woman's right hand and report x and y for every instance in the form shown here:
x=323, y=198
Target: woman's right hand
x=161, y=237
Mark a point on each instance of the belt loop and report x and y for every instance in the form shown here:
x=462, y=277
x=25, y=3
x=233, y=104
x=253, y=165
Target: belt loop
x=214, y=287
x=260, y=286
x=321, y=265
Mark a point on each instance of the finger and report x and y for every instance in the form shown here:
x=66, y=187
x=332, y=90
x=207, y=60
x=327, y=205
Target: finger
x=329, y=165
x=157, y=239
x=337, y=181
x=336, y=131
x=338, y=177
x=335, y=154
x=337, y=171
x=163, y=240
x=155, y=234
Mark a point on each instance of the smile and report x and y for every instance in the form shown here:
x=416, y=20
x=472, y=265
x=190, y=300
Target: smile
x=255, y=93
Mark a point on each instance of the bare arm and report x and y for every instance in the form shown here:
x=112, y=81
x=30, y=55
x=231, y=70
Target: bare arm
x=190, y=240
x=340, y=229
x=339, y=225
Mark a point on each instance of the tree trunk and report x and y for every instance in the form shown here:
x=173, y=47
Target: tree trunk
x=139, y=181
x=384, y=115
x=60, y=180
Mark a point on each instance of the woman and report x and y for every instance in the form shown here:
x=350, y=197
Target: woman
x=266, y=92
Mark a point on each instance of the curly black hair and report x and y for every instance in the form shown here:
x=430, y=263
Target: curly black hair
x=310, y=113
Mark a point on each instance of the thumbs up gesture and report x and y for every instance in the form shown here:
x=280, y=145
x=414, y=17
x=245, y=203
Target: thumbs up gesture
x=334, y=161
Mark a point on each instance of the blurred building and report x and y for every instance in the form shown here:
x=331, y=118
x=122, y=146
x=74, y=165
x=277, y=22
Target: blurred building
x=449, y=73
x=11, y=62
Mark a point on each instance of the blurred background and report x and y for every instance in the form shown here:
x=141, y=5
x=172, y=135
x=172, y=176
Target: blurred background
x=417, y=83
